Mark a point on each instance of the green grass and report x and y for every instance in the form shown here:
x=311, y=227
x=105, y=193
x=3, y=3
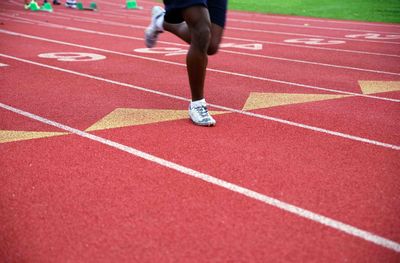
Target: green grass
x=362, y=10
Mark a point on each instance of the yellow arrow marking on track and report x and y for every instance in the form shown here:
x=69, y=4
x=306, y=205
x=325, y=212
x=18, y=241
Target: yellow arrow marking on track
x=13, y=136
x=372, y=87
x=266, y=100
x=131, y=117
x=124, y=117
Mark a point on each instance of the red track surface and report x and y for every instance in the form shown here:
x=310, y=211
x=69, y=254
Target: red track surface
x=334, y=164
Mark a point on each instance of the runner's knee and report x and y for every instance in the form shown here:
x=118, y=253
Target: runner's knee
x=212, y=49
x=216, y=37
x=201, y=36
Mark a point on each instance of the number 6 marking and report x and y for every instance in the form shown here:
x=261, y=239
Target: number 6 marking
x=73, y=56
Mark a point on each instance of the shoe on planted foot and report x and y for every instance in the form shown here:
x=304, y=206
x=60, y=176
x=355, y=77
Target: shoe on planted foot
x=155, y=27
x=198, y=113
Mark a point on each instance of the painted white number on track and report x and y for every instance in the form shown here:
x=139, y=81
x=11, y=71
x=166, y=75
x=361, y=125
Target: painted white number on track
x=374, y=36
x=3, y=65
x=73, y=56
x=243, y=46
x=168, y=51
x=173, y=51
x=315, y=41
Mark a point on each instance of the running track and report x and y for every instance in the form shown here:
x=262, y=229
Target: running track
x=99, y=162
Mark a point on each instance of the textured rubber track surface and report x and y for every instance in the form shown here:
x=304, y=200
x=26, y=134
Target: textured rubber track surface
x=100, y=163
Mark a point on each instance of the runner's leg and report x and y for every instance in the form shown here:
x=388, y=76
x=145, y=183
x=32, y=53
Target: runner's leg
x=198, y=22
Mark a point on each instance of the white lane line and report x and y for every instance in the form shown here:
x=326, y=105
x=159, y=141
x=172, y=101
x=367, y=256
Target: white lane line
x=265, y=117
x=53, y=25
x=296, y=210
x=208, y=69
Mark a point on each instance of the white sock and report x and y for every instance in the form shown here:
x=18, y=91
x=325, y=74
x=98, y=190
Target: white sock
x=197, y=103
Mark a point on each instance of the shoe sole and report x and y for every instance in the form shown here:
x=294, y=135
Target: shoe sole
x=149, y=44
x=203, y=124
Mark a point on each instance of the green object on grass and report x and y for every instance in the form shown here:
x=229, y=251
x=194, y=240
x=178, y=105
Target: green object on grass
x=362, y=10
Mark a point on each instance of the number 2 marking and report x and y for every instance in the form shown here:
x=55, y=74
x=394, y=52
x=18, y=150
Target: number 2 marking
x=374, y=36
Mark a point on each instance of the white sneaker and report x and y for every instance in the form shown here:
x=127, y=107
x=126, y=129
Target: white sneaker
x=198, y=113
x=71, y=5
x=155, y=27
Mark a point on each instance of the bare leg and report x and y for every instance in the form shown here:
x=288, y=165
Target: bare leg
x=199, y=26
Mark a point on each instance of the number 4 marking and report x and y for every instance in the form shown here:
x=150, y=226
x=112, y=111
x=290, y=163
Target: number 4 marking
x=167, y=51
x=243, y=46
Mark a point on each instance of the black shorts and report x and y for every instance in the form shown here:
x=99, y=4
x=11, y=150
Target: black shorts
x=216, y=8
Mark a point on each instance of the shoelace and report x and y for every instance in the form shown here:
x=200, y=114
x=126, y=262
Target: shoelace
x=202, y=110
